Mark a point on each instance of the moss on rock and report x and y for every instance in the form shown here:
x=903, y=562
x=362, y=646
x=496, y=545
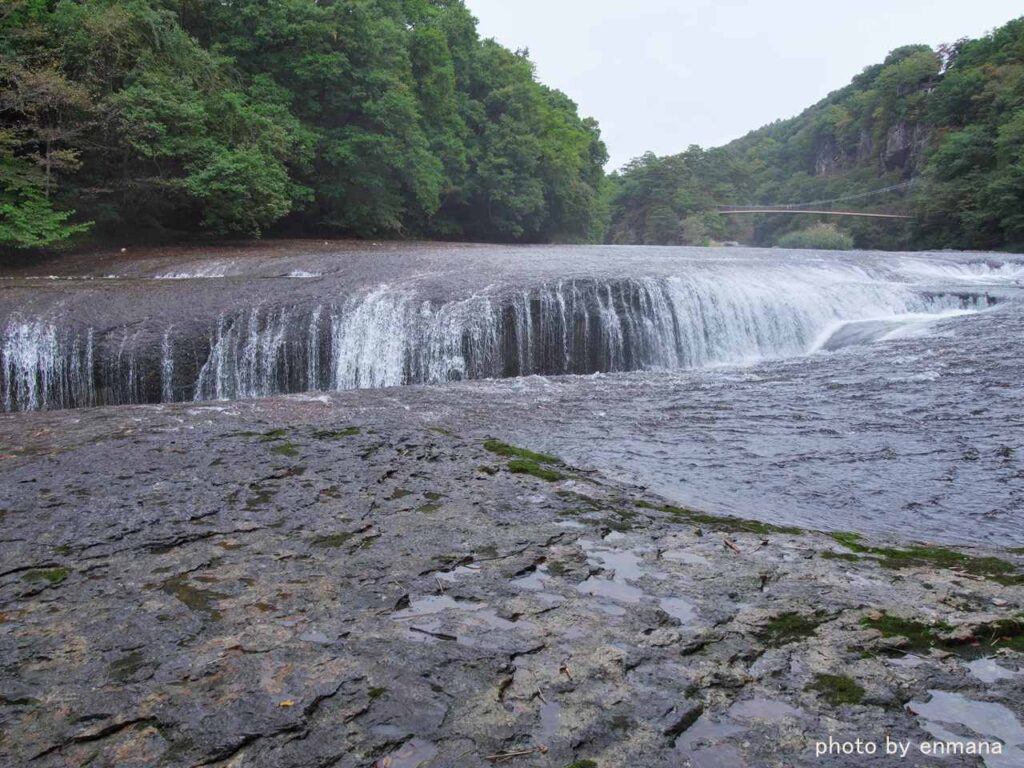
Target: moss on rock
x=992, y=568
x=837, y=689
x=721, y=523
x=50, y=575
x=528, y=467
x=510, y=451
x=790, y=627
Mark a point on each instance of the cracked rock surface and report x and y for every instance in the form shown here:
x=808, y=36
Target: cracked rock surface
x=292, y=583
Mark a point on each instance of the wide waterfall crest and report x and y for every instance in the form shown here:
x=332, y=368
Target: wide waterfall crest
x=393, y=335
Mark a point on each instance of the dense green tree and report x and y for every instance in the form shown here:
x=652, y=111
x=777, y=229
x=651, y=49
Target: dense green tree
x=357, y=117
x=945, y=127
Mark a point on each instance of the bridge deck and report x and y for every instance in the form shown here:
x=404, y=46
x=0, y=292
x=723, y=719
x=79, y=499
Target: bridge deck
x=865, y=214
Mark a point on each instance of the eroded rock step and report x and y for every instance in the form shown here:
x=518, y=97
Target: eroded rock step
x=281, y=584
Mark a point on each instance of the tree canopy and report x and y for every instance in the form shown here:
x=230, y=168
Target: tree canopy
x=945, y=127
x=240, y=117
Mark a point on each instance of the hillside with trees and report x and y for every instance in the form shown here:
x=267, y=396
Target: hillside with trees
x=365, y=118
x=942, y=129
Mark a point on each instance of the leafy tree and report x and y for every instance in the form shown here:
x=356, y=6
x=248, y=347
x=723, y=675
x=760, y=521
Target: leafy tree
x=357, y=117
x=942, y=127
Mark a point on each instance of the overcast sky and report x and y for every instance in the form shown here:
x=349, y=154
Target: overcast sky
x=660, y=75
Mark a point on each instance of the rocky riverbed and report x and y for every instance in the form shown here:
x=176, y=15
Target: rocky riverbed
x=292, y=582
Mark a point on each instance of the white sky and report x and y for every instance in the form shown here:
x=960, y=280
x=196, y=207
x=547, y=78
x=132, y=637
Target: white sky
x=661, y=75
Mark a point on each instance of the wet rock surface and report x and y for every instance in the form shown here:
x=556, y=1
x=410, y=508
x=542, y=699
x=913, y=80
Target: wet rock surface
x=291, y=583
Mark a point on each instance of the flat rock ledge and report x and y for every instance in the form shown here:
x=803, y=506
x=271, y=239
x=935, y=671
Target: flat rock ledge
x=294, y=583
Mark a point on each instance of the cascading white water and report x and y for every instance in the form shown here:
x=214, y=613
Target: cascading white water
x=42, y=369
x=391, y=336
x=246, y=356
x=166, y=367
x=369, y=340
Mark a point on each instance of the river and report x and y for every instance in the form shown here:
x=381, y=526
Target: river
x=875, y=392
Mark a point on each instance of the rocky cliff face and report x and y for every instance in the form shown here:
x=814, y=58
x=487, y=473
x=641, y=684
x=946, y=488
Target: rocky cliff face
x=828, y=160
x=905, y=147
x=902, y=148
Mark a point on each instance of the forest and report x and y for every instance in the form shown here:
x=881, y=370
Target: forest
x=941, y=129
x=166, y=119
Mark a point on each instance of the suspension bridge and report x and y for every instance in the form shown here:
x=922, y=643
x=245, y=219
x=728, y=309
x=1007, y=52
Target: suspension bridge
x=816, y=211
x=823, y=207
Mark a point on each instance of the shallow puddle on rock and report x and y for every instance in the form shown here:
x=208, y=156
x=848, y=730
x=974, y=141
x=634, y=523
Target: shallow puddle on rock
x=702, y=743
x=431, y=604
x=682, y=556
x=492, y=620
x=315, y=637
x=550, y=720
x=985, y=721
x=533, y=581
x=476, y=621
x=988, y=671
x=625, y=567
x=457, y=573
x=679, y=607
x=422, y=626
x=611, y=609
x=763, y=709
x=425, y=631
x=412, y=755
x=623, y=562
x=909, y=661
x=598, y=586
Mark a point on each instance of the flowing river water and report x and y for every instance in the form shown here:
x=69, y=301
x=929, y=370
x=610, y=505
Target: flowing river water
x=878, y=392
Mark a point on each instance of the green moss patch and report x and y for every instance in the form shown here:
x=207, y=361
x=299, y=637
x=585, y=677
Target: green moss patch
x=333, y=541
x=726, y=524
x=559, y=567
x=790, y=627
x=837, y=689
x=125, y=668
x=199, y=600
x=622, y=523
x=579, y=498
x=847, y=556
x=991, y=568
x=260, y=498
x=376, y=693
x=527, y=467
x=511, y=451
x=922, y=637
x=583, y=764
x=286, y=449
x=265, y=437
x=49, y=575
x=337, y=434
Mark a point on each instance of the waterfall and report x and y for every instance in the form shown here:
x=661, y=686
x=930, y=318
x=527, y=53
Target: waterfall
x=43, y=368
x=247, y=357
x=370, y=338
x=391, y=335
x=166, y=367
